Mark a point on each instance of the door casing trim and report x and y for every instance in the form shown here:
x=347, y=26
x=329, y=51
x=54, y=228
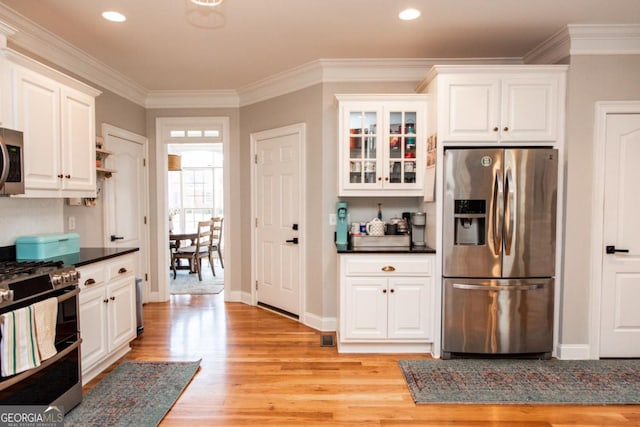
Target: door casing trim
x=107, y=131
x=602, y=110
x=162, y=227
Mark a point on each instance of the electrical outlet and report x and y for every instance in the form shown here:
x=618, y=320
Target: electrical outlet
x=72, y=223
x=333, y=219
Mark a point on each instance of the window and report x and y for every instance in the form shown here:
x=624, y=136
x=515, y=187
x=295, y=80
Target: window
x=196, y=192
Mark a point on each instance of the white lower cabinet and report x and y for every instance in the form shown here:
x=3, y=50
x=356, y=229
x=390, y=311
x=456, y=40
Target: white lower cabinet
x=107, y=313
x=386, y=303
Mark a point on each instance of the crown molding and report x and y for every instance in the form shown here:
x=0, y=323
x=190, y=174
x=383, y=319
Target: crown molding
x=37, y=40
x=582, y=39
x=350, y=70
x=551, y=51
x=192, y=99
x=605, y=39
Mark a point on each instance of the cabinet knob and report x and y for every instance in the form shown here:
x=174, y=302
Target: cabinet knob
x=112, y=298
x=506, y=129
x=122, y=270
x=60, y=176
x=495, y=129
x=384, y=291
x=89, y=282
x=386, y=178
x=388, y=268
x=106, y=301
x=392, y=290
x=379, y=178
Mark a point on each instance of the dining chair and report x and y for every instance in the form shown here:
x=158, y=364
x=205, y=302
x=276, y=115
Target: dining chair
x=217, y=239
x=194, y=253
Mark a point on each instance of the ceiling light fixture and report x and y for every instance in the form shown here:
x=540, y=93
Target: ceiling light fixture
x=208, y=3
x=113, y=16
x=408, y=14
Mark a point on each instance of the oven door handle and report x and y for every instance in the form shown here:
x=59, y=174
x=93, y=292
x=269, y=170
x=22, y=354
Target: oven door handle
x=26, y=374
x=69, y=294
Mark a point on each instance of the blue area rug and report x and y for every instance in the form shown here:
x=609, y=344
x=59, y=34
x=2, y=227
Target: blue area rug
x=134, y=394
x=506, y=381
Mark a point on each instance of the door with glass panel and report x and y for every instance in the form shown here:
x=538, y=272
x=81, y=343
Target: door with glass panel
x=382, y=145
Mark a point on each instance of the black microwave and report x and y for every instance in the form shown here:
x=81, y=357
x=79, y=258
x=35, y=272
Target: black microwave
x=11, y=162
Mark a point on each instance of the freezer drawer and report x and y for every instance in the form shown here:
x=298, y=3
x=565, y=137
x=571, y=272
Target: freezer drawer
x=497, y=316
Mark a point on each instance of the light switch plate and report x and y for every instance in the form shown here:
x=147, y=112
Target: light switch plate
x=333, y=219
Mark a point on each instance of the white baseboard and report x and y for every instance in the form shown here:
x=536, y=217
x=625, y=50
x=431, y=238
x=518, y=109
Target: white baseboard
x=324, y=324
x=573, y=352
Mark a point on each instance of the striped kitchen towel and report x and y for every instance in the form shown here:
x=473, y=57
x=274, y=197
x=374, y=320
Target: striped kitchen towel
x=18, y=347
x=46, y=313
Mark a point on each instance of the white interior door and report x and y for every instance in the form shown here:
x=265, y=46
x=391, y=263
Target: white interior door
x=620, y=317
x=126, y=205
x=278, y=215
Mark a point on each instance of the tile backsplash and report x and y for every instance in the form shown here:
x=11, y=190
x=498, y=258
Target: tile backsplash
x=24, y=217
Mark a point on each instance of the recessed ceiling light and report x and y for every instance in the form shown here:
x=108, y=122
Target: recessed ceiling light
x=114, y=16
x=409, y=14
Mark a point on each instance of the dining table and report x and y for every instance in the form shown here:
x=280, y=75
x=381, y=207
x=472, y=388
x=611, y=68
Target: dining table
x=175, y=242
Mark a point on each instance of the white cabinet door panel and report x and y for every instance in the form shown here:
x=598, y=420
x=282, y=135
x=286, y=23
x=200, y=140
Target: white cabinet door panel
x=529, y=109
x=93, y=316
x=122, y=312
x=78, y=147
x=473, y=110
x=38, y=116
x=367, y=314
x=409, y=305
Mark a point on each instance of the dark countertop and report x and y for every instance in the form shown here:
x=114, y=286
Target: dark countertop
x=345, y=249
x=91, y=255
x=78, y=259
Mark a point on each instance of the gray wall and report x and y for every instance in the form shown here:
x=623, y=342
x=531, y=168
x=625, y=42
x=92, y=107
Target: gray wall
x=590, y=79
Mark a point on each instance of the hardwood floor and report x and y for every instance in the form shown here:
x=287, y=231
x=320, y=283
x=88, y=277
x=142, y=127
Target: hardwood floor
x=259, y=368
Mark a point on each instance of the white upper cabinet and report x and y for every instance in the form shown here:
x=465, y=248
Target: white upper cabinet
x=494, y=104
x=381, y=144
x=57, y=116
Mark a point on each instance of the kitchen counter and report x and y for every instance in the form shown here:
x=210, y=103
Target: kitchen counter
x=346, y=249
x=77, y=259
x=91, y=255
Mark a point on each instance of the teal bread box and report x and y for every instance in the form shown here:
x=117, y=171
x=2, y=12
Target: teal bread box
x=46, y=246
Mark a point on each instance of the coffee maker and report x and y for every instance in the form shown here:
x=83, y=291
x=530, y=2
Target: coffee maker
x=342, y=225
x=418, y=228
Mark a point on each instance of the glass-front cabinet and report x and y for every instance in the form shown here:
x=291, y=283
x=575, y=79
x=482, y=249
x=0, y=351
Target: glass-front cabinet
x=381, y=144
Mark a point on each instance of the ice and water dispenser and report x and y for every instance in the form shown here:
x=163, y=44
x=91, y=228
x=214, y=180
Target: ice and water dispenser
x=470, y=222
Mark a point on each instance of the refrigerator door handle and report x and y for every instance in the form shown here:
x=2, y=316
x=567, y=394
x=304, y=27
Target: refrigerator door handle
x=498, y=212
x=468, y=286
x=509, y=214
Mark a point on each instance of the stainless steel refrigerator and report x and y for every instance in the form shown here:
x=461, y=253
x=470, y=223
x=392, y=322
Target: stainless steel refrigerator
x=499, y=237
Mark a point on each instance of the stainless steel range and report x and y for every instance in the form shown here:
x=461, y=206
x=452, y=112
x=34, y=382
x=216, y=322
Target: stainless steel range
x=57, y=379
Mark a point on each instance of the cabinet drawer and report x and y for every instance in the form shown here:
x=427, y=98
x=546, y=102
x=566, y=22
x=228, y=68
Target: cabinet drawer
x=120, y=267
x=388, y=265
x=92, y=275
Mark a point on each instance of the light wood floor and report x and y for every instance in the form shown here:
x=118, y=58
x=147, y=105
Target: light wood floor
x=261, y=369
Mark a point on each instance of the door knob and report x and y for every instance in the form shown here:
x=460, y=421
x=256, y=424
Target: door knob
x=612, y=250
x=294, y=241
x=114, y=237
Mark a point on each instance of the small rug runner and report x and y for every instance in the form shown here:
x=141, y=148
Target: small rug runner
x=570, y=382
x=133, y=394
